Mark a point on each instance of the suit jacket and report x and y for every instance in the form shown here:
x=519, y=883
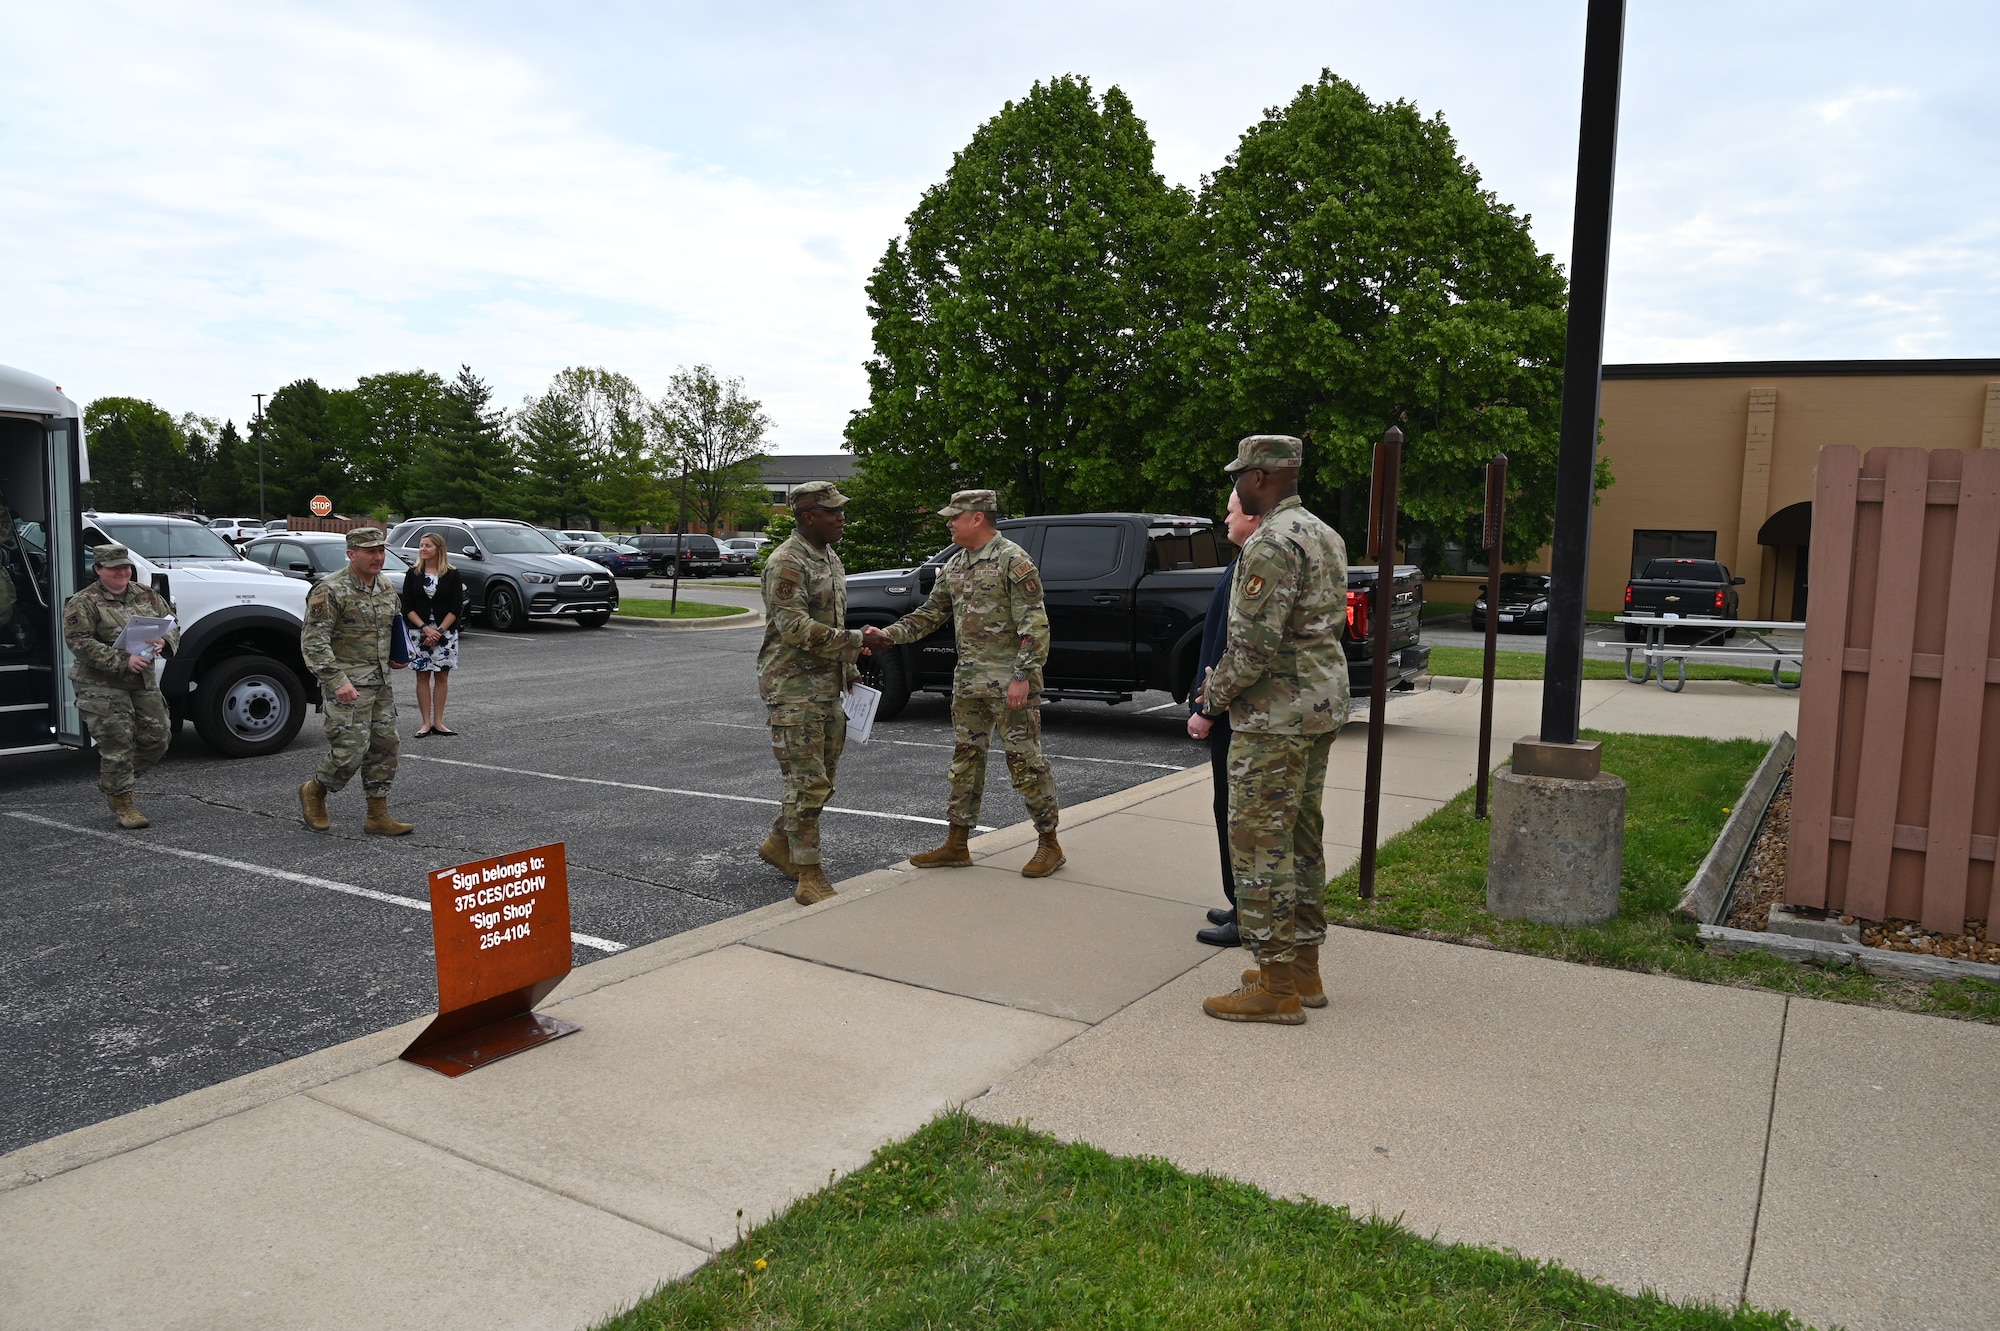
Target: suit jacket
x=1214, y=637
x=450, y=598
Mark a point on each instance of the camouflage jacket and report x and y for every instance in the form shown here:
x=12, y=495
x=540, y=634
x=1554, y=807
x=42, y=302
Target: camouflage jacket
x=346, y=635
x=1283, y=670
x=92, y=621
x=809, y=652
x=993, y=598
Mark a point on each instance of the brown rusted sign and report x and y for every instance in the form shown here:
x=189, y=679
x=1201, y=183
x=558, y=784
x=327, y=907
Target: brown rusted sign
x=501, y=928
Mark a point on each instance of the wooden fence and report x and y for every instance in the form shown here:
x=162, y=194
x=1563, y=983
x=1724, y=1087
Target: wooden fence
x=1896, y=787
x=332, y=524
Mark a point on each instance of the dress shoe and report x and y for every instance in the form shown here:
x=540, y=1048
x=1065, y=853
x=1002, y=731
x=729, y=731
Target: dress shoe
x=1222, y=914
x=1222, y=935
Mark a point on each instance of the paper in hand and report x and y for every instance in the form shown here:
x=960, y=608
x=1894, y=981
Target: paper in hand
x=860, y=702
x=140, y=630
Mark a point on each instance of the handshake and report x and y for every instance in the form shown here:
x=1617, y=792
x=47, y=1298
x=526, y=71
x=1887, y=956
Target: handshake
x=873, y=638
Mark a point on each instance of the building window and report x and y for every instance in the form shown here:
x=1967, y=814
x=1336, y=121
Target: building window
x=1670, y=545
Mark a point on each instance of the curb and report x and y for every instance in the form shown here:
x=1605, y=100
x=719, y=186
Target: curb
x=745, y=619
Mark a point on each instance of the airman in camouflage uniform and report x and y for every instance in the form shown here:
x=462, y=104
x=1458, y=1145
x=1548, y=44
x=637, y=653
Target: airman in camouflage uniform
x=349, y=617
x=118, y=693
x=991, y=594
x=1283, y=681
x=805, y=664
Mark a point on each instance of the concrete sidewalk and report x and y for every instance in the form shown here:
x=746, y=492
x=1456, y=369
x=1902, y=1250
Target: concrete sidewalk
x=1700, y=1140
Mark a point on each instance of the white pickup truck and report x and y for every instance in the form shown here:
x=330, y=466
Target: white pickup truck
x=238, y=674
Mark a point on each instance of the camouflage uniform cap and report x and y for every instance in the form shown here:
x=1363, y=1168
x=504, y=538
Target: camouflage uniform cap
x=1273, y=452
x=112, y=556
x=971, y=501
x=366, y=538
x=817, y=494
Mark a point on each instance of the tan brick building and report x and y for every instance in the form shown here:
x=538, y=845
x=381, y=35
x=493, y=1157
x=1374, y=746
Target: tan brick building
x=1716, y=460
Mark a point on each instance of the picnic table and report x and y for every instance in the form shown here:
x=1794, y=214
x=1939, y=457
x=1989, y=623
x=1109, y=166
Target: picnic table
x=1711, y=644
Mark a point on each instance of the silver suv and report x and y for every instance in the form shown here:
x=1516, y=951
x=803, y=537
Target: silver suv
x=513, y=573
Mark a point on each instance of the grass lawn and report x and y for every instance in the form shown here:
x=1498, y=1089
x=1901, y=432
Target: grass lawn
x=649, y=609
x=1469, y=663
x=1431, y=881
x=970, y=1225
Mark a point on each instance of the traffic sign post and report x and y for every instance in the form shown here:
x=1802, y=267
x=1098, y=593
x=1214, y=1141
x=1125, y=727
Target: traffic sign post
x=501, y=929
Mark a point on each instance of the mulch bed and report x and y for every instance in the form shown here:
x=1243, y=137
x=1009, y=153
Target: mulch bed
x=1761, y=885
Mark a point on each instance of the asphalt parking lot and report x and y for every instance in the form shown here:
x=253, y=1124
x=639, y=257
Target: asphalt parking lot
x=225, y=938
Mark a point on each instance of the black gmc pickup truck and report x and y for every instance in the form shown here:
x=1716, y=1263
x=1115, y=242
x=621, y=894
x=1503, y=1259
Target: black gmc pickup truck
x=1126, y=596
x=1681, y=589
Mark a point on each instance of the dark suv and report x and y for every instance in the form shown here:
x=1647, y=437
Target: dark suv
x=513, y=573
x=699, y=555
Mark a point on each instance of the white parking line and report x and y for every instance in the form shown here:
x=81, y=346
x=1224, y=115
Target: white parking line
x=674, y=790
x=1161, y=708
x=408, y=903
x=920, y=744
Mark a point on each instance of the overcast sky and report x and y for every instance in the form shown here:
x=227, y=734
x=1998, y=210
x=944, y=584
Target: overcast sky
x=207, y=201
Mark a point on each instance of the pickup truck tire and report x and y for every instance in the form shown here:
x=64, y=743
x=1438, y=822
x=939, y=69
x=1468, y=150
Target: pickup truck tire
x=596, y=619
x=249, y=705
x=503, y=610
x=891, y=674
x=1634, y=633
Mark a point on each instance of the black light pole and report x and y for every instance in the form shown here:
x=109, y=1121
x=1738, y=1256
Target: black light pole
x=1583, y=366
x=258, y=430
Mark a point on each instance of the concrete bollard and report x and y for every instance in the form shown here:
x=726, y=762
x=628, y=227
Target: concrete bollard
x=1556, y=848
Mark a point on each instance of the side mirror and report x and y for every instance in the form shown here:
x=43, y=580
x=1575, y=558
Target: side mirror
x=297, y=567
x=1738, y=582
x=470, y=552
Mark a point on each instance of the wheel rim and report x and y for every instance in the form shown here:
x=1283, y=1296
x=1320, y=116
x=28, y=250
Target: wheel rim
x=255, y=708
x=503, y=609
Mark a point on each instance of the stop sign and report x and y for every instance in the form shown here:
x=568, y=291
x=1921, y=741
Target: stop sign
x=321, y=506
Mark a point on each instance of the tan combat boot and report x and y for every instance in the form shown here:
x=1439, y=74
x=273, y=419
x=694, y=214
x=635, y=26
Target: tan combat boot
x=128, y=813
x=1273, y=998
x=951, y=855
x=312, y=799
x=777, y=852
x=1048, y=858
x=813, y=887
x=380, y=823
x=1305, y=974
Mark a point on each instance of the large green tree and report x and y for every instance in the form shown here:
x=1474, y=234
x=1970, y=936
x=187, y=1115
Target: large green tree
x=584, y=444
x=309, y=436
x=1017, y=322
x=471, y=468
x=713, y=432
x=1350, y=273
x=141, y=458
x=395, y=419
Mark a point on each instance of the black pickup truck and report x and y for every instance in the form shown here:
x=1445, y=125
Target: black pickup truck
x=1680, y=589
x=1126, y=595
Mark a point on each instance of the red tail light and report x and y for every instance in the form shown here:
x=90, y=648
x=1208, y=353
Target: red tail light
x=1628, y=596
x=1357, y=614
x=1718, y=598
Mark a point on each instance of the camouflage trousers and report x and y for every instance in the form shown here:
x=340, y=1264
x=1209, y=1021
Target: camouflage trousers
x=1276, y=785
x=807, y=739
x=132, y=730
x=360, y=737
x=974, y=723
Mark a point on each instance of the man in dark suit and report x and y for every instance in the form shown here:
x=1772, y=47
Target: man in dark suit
x=1214, y=637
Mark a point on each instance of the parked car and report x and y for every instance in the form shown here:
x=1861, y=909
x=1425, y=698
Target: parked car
x=575, y=538
x=735, y=560
x=513, y=573
x=698, y=555
x=236, y=529
x=1126, y=594
x=278, y=524
x=749, y=545
x=312, y=555
x=1524, y=603
x=199, y=519
x=1681, y=589
x=623, y=560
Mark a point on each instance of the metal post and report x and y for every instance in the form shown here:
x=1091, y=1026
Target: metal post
x=258, y=430
x=680, y=545
x=1382, y=536
x=1496, y=533
x=1583, y=365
